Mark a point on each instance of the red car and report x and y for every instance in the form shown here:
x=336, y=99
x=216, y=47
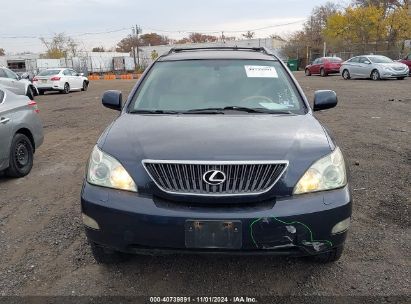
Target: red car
x=407, y=61
x=324, y=66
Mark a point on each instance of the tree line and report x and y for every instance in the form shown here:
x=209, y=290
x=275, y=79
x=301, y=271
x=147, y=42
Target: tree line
x=363, y=26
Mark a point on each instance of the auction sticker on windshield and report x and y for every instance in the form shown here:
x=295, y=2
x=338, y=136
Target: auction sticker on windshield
x=260, y=71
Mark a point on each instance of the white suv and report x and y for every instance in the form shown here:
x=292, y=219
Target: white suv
x=60, y=79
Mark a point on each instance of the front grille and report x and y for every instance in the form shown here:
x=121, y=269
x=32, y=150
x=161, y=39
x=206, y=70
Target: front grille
x=234, y=178
x=399, y=68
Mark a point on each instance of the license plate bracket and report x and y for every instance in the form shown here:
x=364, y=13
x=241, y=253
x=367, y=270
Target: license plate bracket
x=218, y=234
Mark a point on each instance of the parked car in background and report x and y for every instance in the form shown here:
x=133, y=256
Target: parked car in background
x=63, y=80
x=11, y=81
x=324, y=66
x=217, y=151
x=26, y=75
x=407, y=60
x=375, y=67
x=21, y=133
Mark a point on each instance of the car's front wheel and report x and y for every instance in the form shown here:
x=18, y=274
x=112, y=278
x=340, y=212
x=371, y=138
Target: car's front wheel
x=307, y=72
x=375, y=75
x=346, y=74
x=21, y=156
x=329, y=256
x=323, y=73
x=104, y=255
x=400, y=78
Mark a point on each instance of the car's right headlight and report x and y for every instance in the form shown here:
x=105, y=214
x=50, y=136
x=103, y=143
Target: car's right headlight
x=325, y=174
x=104, y=170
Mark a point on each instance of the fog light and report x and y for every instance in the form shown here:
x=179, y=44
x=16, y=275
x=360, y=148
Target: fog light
x=89, y=222
x=341, y=226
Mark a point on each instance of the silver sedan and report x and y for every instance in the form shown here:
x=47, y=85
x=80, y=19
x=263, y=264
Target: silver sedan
x=11, y=81
x=373, y=66
x=21, y=133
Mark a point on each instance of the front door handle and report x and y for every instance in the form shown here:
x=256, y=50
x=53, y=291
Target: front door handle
x=4, y=120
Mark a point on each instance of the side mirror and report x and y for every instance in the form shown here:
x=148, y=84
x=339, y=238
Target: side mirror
x=112, y=99
x=324, y=99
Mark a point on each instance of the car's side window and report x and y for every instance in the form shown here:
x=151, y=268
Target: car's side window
x=363, y=59
x=66, y=73
x=355, y=60
x=320, y=61
x=2, y=74
x=315, y=61
x=10, y=74
x=73, y=73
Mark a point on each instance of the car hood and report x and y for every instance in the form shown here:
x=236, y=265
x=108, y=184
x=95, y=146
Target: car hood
x=392, y=65
x=299, y=139
x=215, y=137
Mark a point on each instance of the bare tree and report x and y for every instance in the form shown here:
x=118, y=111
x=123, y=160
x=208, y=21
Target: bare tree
x=249, y=35
x=59, y=46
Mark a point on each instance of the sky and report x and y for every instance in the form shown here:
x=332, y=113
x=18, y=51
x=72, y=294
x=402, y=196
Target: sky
x=105, y=22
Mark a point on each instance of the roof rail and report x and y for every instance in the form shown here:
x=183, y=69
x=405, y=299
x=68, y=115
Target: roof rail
x=233, y=48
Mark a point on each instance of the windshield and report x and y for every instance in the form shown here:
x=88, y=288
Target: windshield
x=380, y=59
x=49, y=72
x=236, y=85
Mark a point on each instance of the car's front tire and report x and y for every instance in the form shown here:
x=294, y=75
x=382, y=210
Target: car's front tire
x=375, y=75
x=21, y=156
x=400, y=78
x=329, y=256
x=323, y=73
x=307, y=72
x=104, y=255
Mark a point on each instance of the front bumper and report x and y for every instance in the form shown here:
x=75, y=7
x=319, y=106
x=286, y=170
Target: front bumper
x=299, y=225
x=392, y=74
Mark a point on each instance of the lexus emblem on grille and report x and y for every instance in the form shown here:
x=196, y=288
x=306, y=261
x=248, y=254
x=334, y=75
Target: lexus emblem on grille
x=214, y=177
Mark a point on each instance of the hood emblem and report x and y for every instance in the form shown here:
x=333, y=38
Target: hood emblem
x=214, y=177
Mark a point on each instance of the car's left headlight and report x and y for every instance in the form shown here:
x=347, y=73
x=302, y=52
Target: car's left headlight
x=325, y=174
x=104, y=170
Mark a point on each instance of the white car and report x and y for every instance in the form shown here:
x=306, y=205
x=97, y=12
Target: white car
x=12, y=82
x=63, y=80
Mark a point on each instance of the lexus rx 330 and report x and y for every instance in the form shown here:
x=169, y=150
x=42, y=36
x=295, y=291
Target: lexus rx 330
x=216, y=151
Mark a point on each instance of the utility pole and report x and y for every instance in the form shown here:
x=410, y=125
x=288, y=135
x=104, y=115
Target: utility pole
x=132, y=46
x=135, y=44
x=138, y=31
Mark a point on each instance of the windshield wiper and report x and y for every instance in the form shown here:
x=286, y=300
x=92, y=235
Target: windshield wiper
x=154, y=112
x=241, y=109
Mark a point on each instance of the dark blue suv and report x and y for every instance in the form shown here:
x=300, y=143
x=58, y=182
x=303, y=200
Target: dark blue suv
x=216, y=150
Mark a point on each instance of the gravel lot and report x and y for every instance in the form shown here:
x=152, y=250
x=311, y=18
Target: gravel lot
x=43, y=250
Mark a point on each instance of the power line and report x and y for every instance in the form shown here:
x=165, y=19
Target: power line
x=72, y=35
x=153, y=29
x=226, y=31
